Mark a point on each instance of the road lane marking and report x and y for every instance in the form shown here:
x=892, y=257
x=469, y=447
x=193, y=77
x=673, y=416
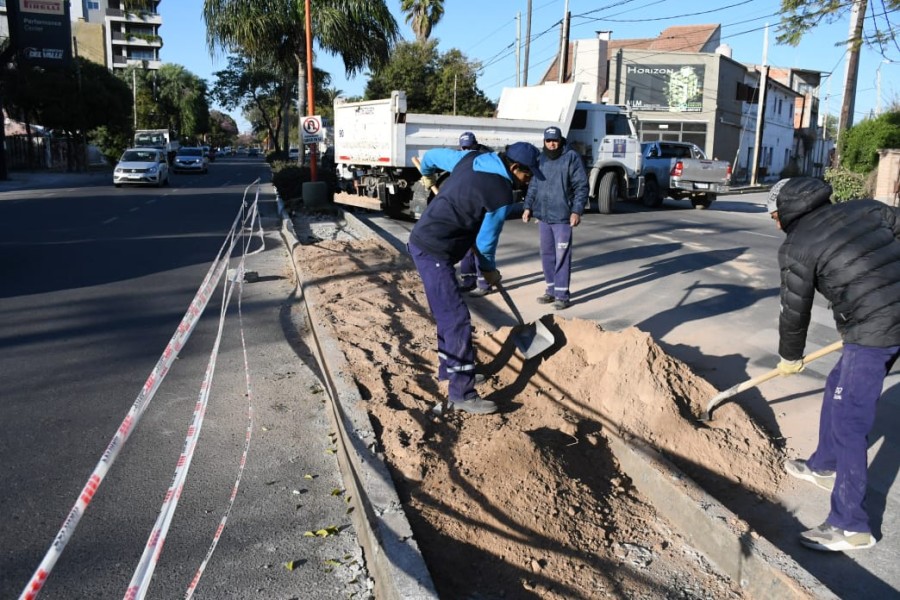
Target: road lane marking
x=110, y=220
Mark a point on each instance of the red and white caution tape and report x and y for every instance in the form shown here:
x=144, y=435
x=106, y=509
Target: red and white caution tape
x=175, y=345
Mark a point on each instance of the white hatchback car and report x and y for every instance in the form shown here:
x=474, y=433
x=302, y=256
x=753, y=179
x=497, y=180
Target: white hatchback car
x=190, y=159
x=146, y=166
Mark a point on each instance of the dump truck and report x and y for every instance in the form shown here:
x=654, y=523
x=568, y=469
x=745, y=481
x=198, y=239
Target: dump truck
x=375, y=142
x=681, y=170
x=164, y=139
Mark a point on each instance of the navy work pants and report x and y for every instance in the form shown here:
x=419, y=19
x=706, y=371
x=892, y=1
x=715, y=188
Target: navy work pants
x=456, y=354
x=470, y=273
x=848, y=413
x=556, y=257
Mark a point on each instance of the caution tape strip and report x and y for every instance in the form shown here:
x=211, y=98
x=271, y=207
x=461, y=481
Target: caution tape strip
x=145, y=396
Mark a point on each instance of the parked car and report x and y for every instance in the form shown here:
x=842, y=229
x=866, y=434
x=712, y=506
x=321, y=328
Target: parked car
x=190, y=160
x=294, y=154
x=681, y=170
x=253, y=152
x=145, y=166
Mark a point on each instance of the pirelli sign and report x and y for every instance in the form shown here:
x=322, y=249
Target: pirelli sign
x=41, y=32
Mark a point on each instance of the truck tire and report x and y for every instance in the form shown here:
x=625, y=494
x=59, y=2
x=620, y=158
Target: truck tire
x=703, y=202
x=609, y=192
x=652, y=196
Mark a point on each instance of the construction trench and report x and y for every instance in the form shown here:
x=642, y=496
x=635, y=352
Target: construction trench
x=595, y=479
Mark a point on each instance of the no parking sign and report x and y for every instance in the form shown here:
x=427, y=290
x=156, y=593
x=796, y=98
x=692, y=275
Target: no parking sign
x=312, y=129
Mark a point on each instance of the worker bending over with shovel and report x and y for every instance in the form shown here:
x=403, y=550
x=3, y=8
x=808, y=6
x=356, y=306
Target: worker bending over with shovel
x=850, y=252
x=478, y=190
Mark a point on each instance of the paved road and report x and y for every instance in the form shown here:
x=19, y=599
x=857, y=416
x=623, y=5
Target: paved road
x=96, y=280
x=704, y=284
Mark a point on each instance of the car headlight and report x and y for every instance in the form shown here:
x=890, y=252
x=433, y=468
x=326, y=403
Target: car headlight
x=153, y=170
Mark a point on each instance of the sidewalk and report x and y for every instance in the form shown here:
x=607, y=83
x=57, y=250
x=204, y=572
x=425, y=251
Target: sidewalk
x=43, y=179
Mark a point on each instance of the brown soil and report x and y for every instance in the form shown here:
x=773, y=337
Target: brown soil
x=529, y=502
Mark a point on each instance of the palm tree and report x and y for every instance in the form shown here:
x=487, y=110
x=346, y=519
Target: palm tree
x=422, y=16
x=361, y=32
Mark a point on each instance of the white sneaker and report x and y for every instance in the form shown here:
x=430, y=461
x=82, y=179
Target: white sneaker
x=832, y=539
x=799, y=469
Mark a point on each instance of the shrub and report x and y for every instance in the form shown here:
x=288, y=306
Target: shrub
x=859, y=145
x=845, y=184
x=288, y=179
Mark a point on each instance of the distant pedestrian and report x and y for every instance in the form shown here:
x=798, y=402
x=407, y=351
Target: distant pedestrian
x=850, y=252
x=557, y=203
x=479, y=190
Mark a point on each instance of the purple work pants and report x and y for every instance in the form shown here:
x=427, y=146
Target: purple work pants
x=848, y=413
x=556, y=257
x=456, y=355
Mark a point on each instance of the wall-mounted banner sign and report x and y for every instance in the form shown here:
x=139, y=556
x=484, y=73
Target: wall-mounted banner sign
x=41, y=32
x=671, y=88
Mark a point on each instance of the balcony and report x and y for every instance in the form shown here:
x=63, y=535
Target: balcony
x=117, y=15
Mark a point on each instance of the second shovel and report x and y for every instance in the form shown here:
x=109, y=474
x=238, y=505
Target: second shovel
x=531, y=339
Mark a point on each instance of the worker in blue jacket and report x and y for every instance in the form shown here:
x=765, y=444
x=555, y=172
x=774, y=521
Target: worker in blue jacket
x=558, y=201
x=475, y=197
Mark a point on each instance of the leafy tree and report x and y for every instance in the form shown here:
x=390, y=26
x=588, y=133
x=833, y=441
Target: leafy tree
x=798, y=17
x=430, y=80
x=860, y=144
x=58, y=100
x=412, y=68
x=258, y=88
x=361, y=32
x=223, y=130
x=456, y=91
x=422, y=16
x=170, y=98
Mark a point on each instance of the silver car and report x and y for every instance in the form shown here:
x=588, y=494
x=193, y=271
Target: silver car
x=143, y=166
x=190, y=159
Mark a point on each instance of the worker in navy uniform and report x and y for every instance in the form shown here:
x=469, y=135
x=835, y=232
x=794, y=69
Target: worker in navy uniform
x=474, y=198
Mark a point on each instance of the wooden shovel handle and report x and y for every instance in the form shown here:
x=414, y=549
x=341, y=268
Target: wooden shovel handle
x=751, y=383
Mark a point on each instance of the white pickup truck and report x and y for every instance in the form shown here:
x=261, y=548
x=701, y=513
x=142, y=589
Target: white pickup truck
x=375, y=141
x=681, y=170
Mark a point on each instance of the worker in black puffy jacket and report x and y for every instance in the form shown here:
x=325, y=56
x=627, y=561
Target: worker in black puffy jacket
x=850, y=253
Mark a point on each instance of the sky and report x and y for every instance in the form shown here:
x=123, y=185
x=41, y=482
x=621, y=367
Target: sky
x=485, y=31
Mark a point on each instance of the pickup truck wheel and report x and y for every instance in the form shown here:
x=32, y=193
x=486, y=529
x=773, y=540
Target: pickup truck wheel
x=609, y=193
x=652, y=196
x=703, y=202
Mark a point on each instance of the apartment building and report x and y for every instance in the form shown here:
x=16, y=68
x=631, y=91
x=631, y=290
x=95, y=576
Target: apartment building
x=129, y=30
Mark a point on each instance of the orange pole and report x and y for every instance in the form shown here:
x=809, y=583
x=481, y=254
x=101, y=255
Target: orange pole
x=310, y=89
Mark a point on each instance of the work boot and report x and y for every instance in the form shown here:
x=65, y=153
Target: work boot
x=833, y=539
x=561, y=304
x=799, y=469
x=545, y=299
x=475, y=405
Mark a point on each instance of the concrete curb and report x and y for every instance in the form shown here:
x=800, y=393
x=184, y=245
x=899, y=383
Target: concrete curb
x=392, y=555
x=754, y=563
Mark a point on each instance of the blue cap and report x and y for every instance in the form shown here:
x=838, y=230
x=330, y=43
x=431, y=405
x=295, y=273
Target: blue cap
x=526, y=155
x=467, y=140
x=552, y=133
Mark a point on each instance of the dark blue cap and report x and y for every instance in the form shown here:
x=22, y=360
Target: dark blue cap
x=467, y=140
x=552, y=133
x=526, y=155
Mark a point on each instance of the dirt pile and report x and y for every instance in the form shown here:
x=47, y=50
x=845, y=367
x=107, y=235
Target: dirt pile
x=529, y=502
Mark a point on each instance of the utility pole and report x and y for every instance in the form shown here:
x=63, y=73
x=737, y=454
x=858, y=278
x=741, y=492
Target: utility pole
x=857, y=17
x=518, y=45
x=310, y=92
x=563, y=46
x=527, y=44
x=761, y=108
x=134, y=95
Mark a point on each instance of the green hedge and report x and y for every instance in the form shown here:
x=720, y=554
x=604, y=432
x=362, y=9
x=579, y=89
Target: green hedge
x=846, y=185
x=860, y=144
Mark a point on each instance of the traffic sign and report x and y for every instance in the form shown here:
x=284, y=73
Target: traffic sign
x=312, y=130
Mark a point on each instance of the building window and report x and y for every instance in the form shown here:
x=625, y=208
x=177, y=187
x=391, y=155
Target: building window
x=93, y=5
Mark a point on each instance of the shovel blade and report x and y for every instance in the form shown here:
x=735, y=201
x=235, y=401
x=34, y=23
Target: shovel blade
x=532, y=339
